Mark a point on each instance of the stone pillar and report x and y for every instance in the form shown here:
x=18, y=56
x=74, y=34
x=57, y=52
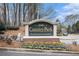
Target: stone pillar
x=26, y=30
x=54, y=30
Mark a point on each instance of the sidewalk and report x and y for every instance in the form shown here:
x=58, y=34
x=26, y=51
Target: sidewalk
x=37, y=50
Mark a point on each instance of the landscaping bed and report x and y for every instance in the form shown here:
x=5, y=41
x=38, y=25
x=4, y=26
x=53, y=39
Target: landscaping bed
x=72, y=47
x=45, y=46
x=10, y=33
x=43, y=43
x=39, y=44
x=13, y=44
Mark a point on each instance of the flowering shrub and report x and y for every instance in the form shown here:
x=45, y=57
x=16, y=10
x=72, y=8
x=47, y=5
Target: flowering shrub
x=44, y=45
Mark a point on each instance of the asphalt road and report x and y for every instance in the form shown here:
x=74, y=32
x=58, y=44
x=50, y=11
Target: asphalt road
x=21, y=53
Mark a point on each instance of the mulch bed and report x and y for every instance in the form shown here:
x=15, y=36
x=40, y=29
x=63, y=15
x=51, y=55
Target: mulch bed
x=72, y=47
x=14, y=44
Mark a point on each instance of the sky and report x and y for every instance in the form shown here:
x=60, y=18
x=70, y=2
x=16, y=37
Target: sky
x=63, y=9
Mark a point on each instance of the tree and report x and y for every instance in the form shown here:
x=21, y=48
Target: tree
x=36, y=11
x=14, y=14
x=71, y=19
x=59, y=26
x=69, y=29
x=74, y=28
x=3, y=17
x=77, y=26
x=33, y=9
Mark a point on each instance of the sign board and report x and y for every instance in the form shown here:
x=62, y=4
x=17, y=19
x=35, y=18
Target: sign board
x=41, y=29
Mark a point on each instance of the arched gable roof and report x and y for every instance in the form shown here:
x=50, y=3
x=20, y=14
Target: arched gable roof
x=41, y=20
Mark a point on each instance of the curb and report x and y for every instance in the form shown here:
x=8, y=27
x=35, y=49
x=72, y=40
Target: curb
x=37, y=50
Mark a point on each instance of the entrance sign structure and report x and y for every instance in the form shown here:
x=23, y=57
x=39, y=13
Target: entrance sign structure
x=46, y=29
x=40, y=28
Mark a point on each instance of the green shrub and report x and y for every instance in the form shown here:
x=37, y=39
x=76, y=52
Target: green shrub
x=57, y=46
x=1, y=32
x=2, y=27
x=12, y=27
